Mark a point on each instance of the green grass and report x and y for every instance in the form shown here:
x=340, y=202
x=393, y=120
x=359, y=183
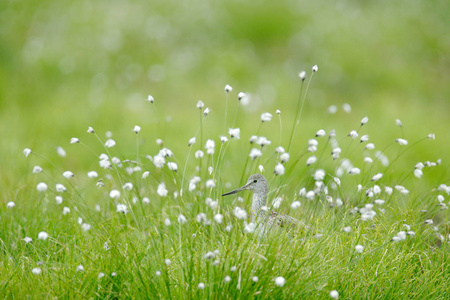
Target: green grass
x=314, y=260
x=65, y=66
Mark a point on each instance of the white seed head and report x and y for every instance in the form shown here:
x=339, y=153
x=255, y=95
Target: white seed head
x=74, y=140
x=280, y=281
x=261, y=168
x=364, y=138
x=364, y=120
x=347, y=108
x=302, y=75
x=279, y=169
x=60, y=188
x=431, y=136
x=181, y=219
x=227, y=279
x=353, y=134
x=255, y=153
x=334, y=294
x=315, y=68
x=27, y=239
x=110, y=143
x=241, y=95
x=36, y=271
x=278, y=112
x=61, y=152
x=90, y=130
x=354, y=171
x=295, y=204
x=114, y=194
x=320, y=132
x=136, y=129
x=377, y=177
x=172, y=166
x=191, y=141
x=66, y=210
x=206, y=111
x=266, y=117
x=235, y=133
x=150, y=99
x=347, y=229
x=218, y=218
x=68, y=174
x=167, y=261
x=359, y=248
x=332, y=109
x=398, y=122
x=418, y=173
x=240, y=213
x=201, y=286
x=200, y=104
x=37, y=169
x=43, y=235
x=228, y=88
x=41, y=187
x=26, y=152
x=161, y=190
x=284, y=157
x=401, y=142
x=311, y=160
x=121, y=208
x=10, y=204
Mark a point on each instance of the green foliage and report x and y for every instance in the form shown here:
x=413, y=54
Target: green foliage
x=66, y=65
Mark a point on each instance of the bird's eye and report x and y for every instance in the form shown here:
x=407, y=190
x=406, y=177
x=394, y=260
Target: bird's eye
x=255, y=181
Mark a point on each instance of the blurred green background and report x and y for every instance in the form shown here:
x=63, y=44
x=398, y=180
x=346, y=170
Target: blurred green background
x=67, y=65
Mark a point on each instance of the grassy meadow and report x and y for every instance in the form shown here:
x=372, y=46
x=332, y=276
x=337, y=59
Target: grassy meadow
x=105, y=194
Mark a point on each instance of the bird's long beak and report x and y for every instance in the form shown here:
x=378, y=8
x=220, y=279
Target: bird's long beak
x=245, y=187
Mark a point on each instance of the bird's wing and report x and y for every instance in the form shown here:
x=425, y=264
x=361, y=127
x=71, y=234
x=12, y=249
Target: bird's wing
x=285, y=221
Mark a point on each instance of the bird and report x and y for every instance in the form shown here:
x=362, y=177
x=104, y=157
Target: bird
x=265, y=220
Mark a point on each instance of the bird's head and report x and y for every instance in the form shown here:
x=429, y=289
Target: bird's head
x=257, y=183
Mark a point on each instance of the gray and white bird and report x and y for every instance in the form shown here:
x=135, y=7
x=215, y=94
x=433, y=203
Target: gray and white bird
x=265, y=220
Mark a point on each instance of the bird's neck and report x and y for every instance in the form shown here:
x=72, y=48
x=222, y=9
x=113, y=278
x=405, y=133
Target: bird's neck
x=259, y=200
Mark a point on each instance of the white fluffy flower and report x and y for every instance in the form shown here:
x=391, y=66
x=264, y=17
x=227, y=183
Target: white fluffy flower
x=354, y=171
x=280, y=281
x=60, y=188
x=398, y=122
x=26, y=151
x=66, y=210
x=172, y=166
x=228, y=88
x=377, y=177
x=114, y=194
x=161, y=190
x=418, y=173
x=255, y=153
x=364, y=120
x=74, y=140
x=235, y=133
x=241, y=95
x=136, y=129
x=279, y=169
x=61, y=152
x=319, y=175
x=266, y=117
x=302, y=75
x=150, y=99
x=68, y=174
x=321, y=132
x=401, y=142
x=90, y=130
x=43, y=235
x=359, y=248
x=218, y=218
x=27, y=239
x=284, y=157
x=240, y=213
x=121, y=208
x=334, y=294
x=295, y=204
x=353, y=134
x=182, y=219
x=41, y=187
x=311, y=160
x=10, y=204
x=315, y=68
x=249, y=228
x=36, y=271
x=110, y=143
